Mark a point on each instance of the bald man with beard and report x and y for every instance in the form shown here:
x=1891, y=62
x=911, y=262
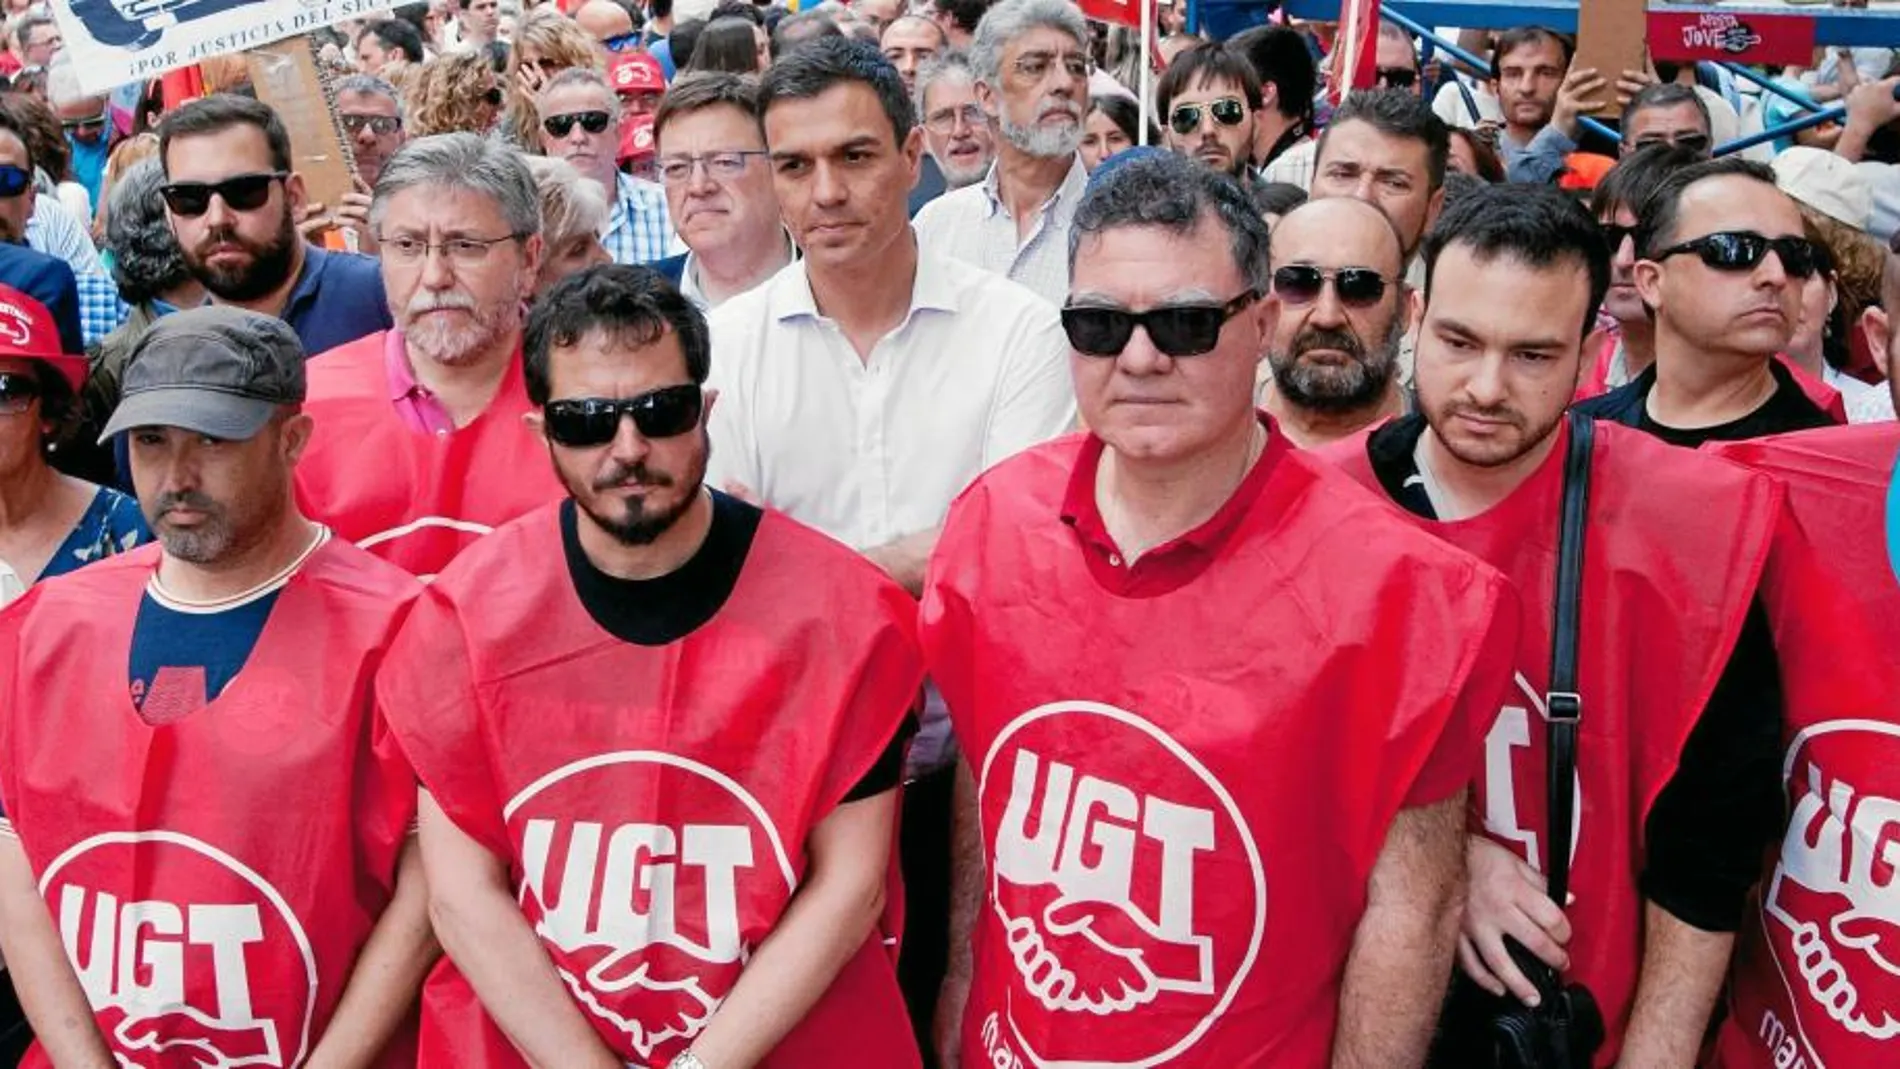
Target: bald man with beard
x=1344, y=308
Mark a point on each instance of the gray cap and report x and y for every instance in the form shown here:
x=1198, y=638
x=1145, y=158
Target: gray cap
x=216, y=370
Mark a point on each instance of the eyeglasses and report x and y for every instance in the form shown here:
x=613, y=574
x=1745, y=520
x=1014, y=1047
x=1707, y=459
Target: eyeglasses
x=1397, y=77
x=463, y=252
x=89, y=122
x=13, y=181
x=1616, y=234
x=591, y=121
x=241, y=193
x=586, y=422
x=722, y=166
x=1177, y=330
x=1227, y=111
x=1742, y=250
x=380, y=125
x=1691, y=142
x=943, y=121
x=1356, y=287
x=17, y=393
x=1036, y=64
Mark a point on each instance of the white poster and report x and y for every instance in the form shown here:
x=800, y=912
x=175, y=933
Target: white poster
x=113, y=42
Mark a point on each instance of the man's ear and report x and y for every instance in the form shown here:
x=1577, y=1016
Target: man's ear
x=1877, y=330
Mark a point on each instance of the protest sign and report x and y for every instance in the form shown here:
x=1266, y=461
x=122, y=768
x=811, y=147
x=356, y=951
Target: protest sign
x=113, y=42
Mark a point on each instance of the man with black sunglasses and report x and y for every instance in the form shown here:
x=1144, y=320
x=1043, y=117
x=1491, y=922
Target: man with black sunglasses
x=1667, y=114
x=1681, y=711
x=1154, y=641
x=580, y=123
x=1720, y=261
x=700, y=705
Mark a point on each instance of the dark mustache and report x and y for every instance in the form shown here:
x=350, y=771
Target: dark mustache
x=190, y=499
x=637, y=472
x=1326, y=338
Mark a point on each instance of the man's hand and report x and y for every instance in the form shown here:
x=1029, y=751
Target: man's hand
x=1629, y=84
x=311, y=220
x=1869, y=107
x=1576, y=97
x=1507, y=897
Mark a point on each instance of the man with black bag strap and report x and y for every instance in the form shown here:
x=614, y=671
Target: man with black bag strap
x=1673, y=718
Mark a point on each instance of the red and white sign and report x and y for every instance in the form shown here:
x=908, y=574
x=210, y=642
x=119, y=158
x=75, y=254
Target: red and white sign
x=1744, y=37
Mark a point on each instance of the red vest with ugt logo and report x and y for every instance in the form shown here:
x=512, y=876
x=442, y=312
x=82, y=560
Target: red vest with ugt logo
x=1673, y=551
x=653, y=803
x=414, y=499
x=213, y=878
x=1183, y=795
x=1816, y=980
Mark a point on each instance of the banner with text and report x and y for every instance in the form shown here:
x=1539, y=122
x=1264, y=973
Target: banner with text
x=113, y=42
x=1732, y=37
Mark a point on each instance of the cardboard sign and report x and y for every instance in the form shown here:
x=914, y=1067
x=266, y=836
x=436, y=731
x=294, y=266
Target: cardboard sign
x=1743, y=37
x=114, y=42
x=1610, y=41
x=286, y=77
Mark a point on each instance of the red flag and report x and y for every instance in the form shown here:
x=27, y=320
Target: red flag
x=179, y=86
x=1356, y=48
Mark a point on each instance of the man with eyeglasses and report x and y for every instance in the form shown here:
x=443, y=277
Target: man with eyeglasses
x=1721, y=257
x=580, y=123
x=712, y=163
x=1031, y=63
x=1344, y=309
x=232, y=198
x=699, y=704
x=1208, y=100
x=958, y=141
x=1667, y=114
x=420, y=446
x=1173, y=684
x=1680, y=712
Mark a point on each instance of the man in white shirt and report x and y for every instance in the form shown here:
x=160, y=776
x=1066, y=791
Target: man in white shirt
x=1032, y=77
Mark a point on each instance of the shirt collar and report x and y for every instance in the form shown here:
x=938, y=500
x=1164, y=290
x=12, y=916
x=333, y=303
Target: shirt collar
x=933, y=289
x=402, y=377
x=1065, y=196
x=314, y=260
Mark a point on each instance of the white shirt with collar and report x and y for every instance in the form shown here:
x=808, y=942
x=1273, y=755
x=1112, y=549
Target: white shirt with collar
x=973, y=225
x=694, y=292
x=869, y=451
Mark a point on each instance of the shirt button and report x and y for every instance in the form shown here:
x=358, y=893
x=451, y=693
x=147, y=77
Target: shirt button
x=1115, y=559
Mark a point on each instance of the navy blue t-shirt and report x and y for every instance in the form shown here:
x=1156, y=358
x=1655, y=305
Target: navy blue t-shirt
x=182, y=661
x=338, y=299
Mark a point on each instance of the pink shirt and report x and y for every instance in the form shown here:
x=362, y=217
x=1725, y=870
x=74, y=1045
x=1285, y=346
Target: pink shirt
x=415, y=404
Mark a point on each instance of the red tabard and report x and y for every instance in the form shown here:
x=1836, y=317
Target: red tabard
x=414, y=499
x=1673, y=554
x=1816, y=981
x=1183, y=795
x=653, y=802
x=215, y=877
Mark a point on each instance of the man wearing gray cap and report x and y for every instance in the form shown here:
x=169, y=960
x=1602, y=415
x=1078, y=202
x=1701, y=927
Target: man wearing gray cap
x=240, y=823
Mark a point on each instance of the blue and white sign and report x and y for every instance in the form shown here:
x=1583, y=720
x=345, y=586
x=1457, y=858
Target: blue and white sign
x=113, y=42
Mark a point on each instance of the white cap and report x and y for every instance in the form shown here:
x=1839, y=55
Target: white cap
x=1826, y=183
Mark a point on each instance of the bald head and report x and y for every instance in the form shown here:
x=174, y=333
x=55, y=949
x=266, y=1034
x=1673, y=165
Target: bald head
x=1339, y=232
x=603, y=19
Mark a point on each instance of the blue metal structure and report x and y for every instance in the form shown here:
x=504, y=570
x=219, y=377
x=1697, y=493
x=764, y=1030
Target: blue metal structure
x=1857, y=27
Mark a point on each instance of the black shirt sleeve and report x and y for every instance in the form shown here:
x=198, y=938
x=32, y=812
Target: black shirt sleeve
x=1719, y=814
x=888, y=772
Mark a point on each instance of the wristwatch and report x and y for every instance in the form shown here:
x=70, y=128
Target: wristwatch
x=686, y=1060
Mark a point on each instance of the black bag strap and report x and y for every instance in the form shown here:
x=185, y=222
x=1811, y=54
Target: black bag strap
x=1563, y=706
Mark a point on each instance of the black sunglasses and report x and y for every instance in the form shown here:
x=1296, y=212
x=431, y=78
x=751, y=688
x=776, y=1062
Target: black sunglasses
x=1742, y=250
x=1357, y=287
x=1689, y=142
x=1227, y=111
x=1397, y=77
x=591, y=121
x=16, y=391
x=380, y=125
x=1177, y=330
x=1616, y=234
x=14, y=180
x=585, y=422
x=241, y=193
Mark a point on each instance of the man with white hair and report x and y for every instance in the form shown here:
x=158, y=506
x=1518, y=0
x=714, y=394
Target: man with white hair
x=580, y=123
x=1032, y=78
x=956, y=132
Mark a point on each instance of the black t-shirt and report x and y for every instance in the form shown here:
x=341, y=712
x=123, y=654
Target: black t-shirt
x=1787, y=409
x=667, y=608
x=1710, y=825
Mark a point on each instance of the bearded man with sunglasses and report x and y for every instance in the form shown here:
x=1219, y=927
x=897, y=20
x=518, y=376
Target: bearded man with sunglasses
x=1209, y=98
x=580, y=123
x=699, y=705
x=1720, y=261
x=1216, y=754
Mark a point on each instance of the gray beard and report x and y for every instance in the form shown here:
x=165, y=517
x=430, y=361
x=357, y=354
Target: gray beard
x=1042, y=142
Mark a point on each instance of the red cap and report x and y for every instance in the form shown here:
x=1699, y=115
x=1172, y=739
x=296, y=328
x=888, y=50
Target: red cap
x=1583, y=170
x=636, y=72
x=27, y=332
x=636, y=138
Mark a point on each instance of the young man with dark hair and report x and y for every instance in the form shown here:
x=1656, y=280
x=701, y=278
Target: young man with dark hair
x=959, y=19
x=1280, y=59
x=385, y=46
x=1681, y=712
x=1543, y=100
x=1209, y=101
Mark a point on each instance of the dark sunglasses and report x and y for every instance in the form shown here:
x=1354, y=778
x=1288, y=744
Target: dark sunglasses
x=17, y=391
x=1689, y=142
x=1616, y=234
x=242, y=193
x=14, y=180
x=1742, y=250
x=87, y=123
x=591, y=121
x=585, y=422
x=1186, y=118
x=1357, y=287
x=1177, y=330
x=1397, y=77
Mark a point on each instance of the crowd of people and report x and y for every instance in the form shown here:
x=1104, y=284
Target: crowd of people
x=763, y=537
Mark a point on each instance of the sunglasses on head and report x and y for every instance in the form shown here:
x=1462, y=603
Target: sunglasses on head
x=14, y=180
x=1227, y=111
x=1742, y=250
x=1356, y=287
x=241, y=193
x=1177, y=330
x=1397, y=77
x=17, y=392
x=591, y=121
x=585, y=422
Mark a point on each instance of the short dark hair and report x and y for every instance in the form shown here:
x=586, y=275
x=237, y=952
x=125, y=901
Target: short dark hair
x=965, y=15
x=801, y=26
x=632, y=304
x=220, y=112
x=1277, y=198
x=1209, y=61
x=12, y=122
x=1656, y=216
x=726, y=44
x=1490, y=167
x=1517, y=37
x=1280, y=58
x=1177, y=194
x=1537, y=226
x=661, y=8
x=396, y=35
x=684, y=40
x=1665, y=95
x=1396, y=113
x=737, y=9
x=699, y=90
x=815, y=66
x=1636, y=176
